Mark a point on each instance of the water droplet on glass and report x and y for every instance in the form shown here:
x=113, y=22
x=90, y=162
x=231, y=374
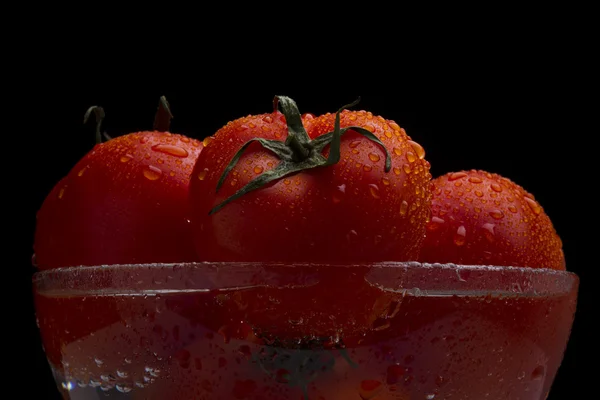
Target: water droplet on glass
x=456, y=175
x=403, y=208
x=488, y=231
x=538, y=372
x=535, y=207
x=460, y=236
x=374, y=190
x=152, y=173
x=419, y=150
x=172, y=150
x=434, y=223
x=496, y=214
x=202, y=174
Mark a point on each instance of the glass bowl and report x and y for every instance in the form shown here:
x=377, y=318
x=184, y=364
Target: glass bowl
x=273, y=331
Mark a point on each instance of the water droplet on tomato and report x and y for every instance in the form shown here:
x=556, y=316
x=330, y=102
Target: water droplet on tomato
x=488, y=231
x=269, y=119
x=144, y=140
x=367, y=168
x=535, y=207
x=406, y=168
x=419, y=150
x=403, y=208
x=496, y=214
x=82, y=171
x=456, y=175
x=374, y=190
x=460, y=236
x=478, y=193
x=171, y=150
x=202, y=174
x=410, y=156
x=354, y=143
x=61, y=192
x=123, y=387
x=258, y=169
x=397, y=170
x=496, y=188
x=369, y=388
x=126, y=158
x=373, y=157
x=385, y=181
x=209, y=139
x=352, y=236
x=152, y=173
x=388, y=134
x=512, y=209
x=398, y=151
x=475, y=179
x=339, y=193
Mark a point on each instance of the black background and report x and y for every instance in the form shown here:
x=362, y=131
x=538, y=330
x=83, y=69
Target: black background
x=516, y=124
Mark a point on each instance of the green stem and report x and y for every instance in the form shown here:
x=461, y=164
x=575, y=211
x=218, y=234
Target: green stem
x=99, y=115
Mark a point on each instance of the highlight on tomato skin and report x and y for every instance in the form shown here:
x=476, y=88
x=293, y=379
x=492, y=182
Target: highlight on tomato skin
x=481, y=218
x=125, y=201
x=349, y=211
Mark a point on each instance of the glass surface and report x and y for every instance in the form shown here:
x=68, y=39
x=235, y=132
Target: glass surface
x=263, y=331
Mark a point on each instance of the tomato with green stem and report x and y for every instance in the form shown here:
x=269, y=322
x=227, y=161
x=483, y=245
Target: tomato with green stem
x=340, y=188
x=125, y=201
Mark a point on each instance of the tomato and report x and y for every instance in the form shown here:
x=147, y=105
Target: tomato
x=126, y=201
x=485, y=219
x=287, y=197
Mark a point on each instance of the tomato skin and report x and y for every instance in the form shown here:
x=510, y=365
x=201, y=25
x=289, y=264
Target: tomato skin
x=352, y=211
x=126, y=201
x=480, y=218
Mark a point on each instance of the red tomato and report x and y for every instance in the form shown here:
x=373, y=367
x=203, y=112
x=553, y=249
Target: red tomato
x=485, y=219
x=126, y=201
x=312, y=211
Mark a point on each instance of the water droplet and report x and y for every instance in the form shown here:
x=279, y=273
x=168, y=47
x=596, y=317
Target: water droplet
x=460, y=236
x=338, y=195
x=535, y=207
x=67, y=385
x=406, y=168
x=410, y=156
x=98, y=361
x=419, y=150
x=394, y=126
x=152, y=173
x=397, y=170
x=403, y=208
x=352, y=236
x=512, y=209
x=369, y=388
x=373, y=157
x=296, y=322
x=434, y=224
x=385, y=181
x=61, y=192
x=258, y=169
x=155, y=372
x=354, y=143
x=209, y=139
x=144, y=139
x=430, y=396
x=496, y=214
x=538, y=372
x=398, y=151
x=478, y=193
x=456, y=175
x=367, y=168
x=171, y=150
x=123, y=388
x=496, y=188
x=374, y=190
x=475, y=179
x=128, y=360
x=388, y=134
x=126, y=158
x=122, y=374
x=488, y=231
x=82, y=171
x=202, y=174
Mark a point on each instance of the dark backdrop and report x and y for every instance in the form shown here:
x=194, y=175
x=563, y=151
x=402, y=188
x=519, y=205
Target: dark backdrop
x=518, y=128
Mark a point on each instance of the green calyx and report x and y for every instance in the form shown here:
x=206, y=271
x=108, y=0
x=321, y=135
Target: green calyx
x=162, y=119
x=298, y=152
